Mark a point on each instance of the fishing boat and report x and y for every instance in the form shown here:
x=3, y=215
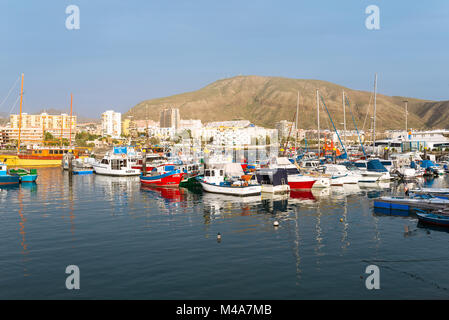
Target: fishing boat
x=39, y=157
x=115, y=165
x=340, y=175
x=436, y=217
x=437, y=192
x=273, y=180
x=167, y=175
x=152, y=160
x=24, y=174
x=5, y=178
x=295, y=179
x=229, y=179
x=191, y=171
x=407, y=204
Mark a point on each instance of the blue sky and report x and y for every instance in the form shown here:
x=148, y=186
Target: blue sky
x=129, y=51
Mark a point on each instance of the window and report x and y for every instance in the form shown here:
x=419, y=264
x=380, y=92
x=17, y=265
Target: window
x=221, y=173
x=213, y=173
x=207, y=173
x=50, y=152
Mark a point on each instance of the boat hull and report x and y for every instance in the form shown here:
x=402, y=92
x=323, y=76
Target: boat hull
x=300, y=182
x=433, y=219
x=9, y=180
x=30, y=178
x=170, y=179
x=234, y=191
x=117, y=173
x=30, y=161
x=280, y=189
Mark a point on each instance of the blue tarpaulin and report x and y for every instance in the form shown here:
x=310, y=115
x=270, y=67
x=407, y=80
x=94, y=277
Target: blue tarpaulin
x=427, y=164
x=376, y=165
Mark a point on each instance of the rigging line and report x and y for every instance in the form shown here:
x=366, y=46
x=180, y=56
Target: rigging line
x=355, y=125
x=10, y=90
x=17, y=100
x=367, y=111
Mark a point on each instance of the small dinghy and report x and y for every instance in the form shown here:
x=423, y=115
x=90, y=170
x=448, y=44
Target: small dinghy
x=435, y=217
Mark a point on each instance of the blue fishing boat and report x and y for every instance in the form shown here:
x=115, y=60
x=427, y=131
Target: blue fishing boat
x=437, y=218
x=5, y=178
x=24, y=174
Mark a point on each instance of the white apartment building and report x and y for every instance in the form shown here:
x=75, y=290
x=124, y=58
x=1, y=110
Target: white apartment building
x=111, y=123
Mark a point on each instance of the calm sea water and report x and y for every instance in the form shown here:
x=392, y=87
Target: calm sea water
x=135, y=243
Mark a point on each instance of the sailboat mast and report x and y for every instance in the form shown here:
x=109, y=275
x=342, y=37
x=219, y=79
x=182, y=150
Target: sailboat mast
x=344, y=117
x=20, y=116
x=70, y=130
x=318, y=120
x=374, y=116
x=296, y=125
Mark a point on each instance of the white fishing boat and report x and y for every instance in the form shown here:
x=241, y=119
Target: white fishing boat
x=229, y=179
x=115, y=164
x=340, y=175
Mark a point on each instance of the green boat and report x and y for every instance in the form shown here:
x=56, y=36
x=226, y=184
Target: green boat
x=189, y=182
x=24, y=174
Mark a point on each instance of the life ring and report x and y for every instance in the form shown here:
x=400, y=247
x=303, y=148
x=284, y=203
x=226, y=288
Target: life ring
x=123, y=155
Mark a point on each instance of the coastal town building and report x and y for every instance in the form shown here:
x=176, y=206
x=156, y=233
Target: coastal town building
x=111, y=122
x=32, y=127
x=285, y=128
x=170, y=118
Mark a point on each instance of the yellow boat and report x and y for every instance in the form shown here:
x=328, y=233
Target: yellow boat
x=43, y=157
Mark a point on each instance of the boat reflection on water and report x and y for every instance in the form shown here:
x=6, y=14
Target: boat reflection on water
x=170, y=194
x=341, y=192
x=309, y=196
x=374, y=185
x=274, y=203
x=429, y=227
x=217, y=204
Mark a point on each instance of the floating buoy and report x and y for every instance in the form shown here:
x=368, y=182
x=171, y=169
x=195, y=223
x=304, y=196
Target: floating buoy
x=276, y=223
x=219, y=236
x=341, y=219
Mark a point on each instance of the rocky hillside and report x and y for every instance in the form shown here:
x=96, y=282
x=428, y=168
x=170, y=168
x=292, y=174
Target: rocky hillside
x=266, y=100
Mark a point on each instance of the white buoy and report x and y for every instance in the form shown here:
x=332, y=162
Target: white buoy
x=219, y=236
x=276, y=223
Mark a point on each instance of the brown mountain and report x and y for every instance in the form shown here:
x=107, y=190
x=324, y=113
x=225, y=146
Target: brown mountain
x=266, y=100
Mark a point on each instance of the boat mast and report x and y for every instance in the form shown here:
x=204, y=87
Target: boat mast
x=406, y=118
x=374, y=117
x=344, y=118
x=318, y=120
x=20, y=116
x=70, y=130
x=296, y=126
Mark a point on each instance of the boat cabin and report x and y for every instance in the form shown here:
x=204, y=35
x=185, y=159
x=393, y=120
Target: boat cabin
x=53, y=152
x=3, y=169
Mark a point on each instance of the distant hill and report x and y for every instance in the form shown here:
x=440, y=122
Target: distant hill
x=266, y=100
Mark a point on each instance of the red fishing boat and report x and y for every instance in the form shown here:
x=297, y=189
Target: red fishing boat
x=167, y=175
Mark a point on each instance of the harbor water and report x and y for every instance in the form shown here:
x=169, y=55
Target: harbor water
x=135, y=243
